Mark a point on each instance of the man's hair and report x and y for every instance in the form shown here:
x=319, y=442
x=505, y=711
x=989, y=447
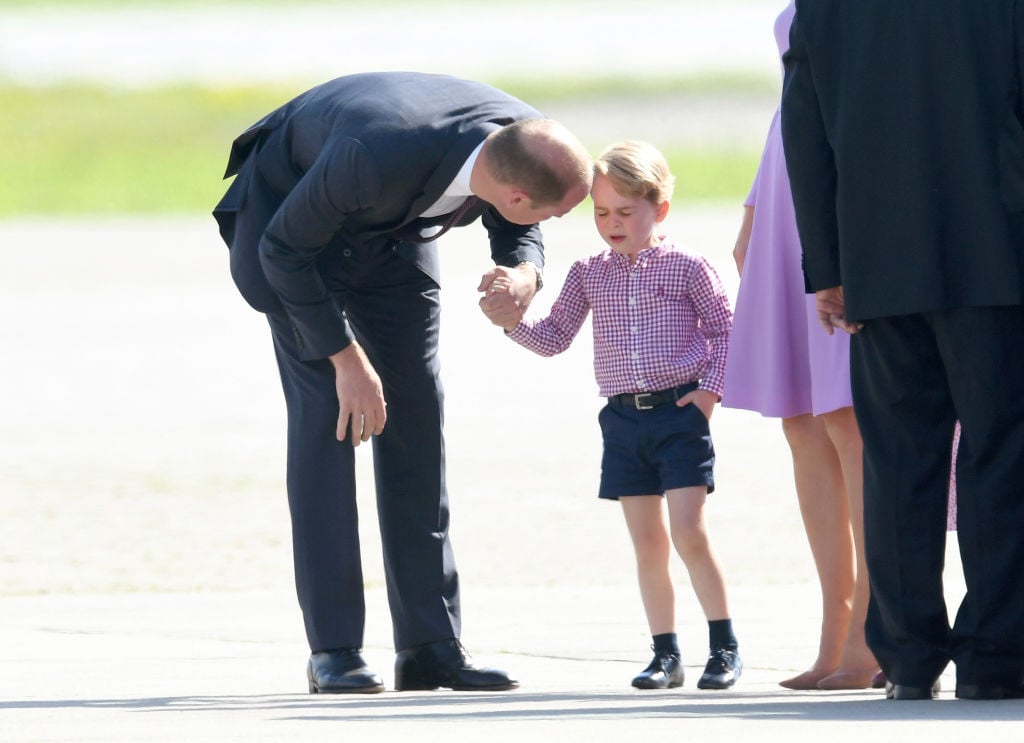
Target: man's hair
x=540, y=157
x=637, y=169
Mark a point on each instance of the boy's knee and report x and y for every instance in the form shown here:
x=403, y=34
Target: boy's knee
x=691, y=540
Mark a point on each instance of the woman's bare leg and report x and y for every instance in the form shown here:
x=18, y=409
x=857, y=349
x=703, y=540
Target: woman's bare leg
x=823, y=503
x=857, y=664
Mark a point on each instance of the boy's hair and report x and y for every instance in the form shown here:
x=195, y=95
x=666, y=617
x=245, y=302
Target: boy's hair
x=637, y=169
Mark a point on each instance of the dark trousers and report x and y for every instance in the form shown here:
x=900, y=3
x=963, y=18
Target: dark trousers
x=913, y=376
x=394, y=311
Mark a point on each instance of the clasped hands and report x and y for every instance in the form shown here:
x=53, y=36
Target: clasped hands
x=507, y=293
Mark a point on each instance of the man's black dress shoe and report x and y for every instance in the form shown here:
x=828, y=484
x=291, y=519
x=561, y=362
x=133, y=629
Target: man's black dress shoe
x=989, y=691
x=723, y=669
x=664, y=672
x=907, y=693
x=341, y=671
x=445, y=663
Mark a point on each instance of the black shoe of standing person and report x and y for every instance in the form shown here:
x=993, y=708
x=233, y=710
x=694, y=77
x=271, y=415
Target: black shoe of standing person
x=341, y=671
x=664, y=672
x=723, y=669
x=905, y=692
x=445, y=664
x=989, y=691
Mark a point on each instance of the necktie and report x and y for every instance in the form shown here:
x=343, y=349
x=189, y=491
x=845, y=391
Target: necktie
x=411, y=231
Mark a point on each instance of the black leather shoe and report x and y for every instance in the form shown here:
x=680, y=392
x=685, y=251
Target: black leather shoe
x=908, y=693
x=341, y=671
x=988, y=691
x=664, y=672
x=445, y=663
x=723, y=669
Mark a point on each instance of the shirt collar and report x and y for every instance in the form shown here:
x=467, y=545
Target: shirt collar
x=643, y=254
x=458, y=190
x=460, y=186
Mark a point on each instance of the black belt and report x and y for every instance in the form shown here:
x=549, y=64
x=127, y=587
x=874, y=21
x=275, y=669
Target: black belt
x=651, y=400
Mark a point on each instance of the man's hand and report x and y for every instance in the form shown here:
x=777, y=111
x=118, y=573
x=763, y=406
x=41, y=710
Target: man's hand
x=506, y=303
x=831, y=310
x=361, y=405
x=510, y=320
x=703, y=399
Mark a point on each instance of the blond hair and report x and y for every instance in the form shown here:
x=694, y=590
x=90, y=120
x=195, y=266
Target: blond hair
x=637, y=169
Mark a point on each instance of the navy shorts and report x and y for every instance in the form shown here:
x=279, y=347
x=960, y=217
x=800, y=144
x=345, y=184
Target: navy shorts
x=647, y=452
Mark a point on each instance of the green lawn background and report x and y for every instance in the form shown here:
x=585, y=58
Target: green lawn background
x=88, y=149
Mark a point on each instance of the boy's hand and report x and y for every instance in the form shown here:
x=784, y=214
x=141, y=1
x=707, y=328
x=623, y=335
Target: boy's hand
x=703, y=399
x=503, y=299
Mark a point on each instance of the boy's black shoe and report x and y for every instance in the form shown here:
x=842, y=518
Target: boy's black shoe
x=664, y=672
x=722, y=670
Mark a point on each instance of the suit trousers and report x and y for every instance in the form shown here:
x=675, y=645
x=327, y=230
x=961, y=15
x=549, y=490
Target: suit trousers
x=913, y=376
x=394, y=311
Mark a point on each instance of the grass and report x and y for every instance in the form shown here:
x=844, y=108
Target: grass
x=77, y=150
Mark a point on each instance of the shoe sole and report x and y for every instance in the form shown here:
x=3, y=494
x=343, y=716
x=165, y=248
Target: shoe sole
x=314, y=689
x=912, y=693
x=987, y=693
x=656, y=687
x=716, y=686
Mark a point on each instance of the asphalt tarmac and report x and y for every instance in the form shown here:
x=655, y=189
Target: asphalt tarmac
x=145, y=590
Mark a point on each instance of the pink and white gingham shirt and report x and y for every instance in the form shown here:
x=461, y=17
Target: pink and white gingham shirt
x=658, y=324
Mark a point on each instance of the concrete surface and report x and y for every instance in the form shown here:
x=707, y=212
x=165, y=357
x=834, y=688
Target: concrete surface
x=145, y=589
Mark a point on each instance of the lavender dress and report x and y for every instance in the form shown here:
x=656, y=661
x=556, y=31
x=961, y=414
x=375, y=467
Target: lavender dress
x=781, y=363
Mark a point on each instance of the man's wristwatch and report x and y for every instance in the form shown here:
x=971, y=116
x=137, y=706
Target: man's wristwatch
x=536, y=271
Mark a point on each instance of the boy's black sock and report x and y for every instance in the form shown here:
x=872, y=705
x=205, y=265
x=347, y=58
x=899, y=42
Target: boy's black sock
x=666, y=644
x=722, y=635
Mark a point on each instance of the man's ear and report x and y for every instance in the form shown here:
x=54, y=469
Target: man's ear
x=515, y=197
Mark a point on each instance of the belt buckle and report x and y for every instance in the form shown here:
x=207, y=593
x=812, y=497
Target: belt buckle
x=637, y=404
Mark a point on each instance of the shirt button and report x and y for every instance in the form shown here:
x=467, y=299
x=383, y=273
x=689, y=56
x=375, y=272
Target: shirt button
x=633, y=329
x=634, y=355
x=347, y=253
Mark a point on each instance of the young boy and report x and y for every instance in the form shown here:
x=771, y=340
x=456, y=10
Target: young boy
x=661, y=330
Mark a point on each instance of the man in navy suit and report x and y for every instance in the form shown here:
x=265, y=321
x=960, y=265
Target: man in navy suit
x=330, y=222
x=904, y=133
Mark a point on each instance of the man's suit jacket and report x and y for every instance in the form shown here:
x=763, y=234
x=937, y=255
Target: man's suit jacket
x=905, y=148
x=343, y=166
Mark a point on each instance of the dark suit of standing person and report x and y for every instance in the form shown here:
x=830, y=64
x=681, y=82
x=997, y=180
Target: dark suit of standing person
x=329, y=221
x=902, y=122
